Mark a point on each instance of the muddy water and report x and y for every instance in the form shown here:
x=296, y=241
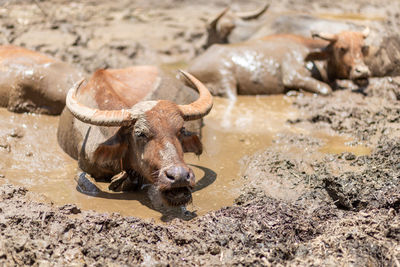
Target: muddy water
x=31, y=156
x=340, y=144
x=232, y=131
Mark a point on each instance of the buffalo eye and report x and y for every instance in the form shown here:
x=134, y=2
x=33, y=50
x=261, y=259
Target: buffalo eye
x=343, y=50
x=182, y=131
x=140, y=134
x=365, y=50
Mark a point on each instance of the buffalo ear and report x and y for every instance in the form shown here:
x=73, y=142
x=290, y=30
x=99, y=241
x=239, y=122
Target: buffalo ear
x=191, y=143
x=317, y=55
x=114, y=148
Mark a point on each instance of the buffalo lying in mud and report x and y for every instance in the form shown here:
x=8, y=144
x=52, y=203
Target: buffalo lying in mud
x=229, y=27
x=234, y=27
x=276, y=63
x=33, y=82
x=115, y=128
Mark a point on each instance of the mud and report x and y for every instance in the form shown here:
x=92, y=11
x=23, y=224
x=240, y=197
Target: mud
x=305, y=180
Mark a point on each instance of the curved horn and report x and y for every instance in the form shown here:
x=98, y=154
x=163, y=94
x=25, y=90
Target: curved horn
x=201, y=106
x=365, y=32
x=94, y=116
x=325, y=36
x=252, y=14
x=213, y=23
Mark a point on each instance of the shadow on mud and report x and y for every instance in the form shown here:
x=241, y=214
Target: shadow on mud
x=87, y=185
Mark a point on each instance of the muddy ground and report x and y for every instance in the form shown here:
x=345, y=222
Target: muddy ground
x=335, y=209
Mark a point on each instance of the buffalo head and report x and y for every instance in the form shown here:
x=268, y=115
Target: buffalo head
x=151, y=139
x=220, y=28
x=345, y=54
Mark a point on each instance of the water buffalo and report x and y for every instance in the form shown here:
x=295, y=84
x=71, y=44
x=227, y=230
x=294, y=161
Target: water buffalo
x=115, y=127
x=275, y=63
x=33, y=82
x=231, y=27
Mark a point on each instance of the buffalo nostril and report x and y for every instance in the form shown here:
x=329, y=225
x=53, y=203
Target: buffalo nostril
x=170, y=176
x=178, y=174
x=361, y=70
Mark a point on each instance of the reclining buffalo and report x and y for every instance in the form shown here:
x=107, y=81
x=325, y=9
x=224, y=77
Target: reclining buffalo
x=33, y=82
x=233, y=27
x=277, y=63
x=117, y=130
x=236, y=27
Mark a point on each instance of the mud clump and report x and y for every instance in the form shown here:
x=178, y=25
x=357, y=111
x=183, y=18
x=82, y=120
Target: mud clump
x=366, y=118
x=258, y=230
x=376, y=184
x=359, y=239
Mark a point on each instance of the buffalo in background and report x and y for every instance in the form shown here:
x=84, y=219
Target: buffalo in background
x=276, y=63
x=33, y=82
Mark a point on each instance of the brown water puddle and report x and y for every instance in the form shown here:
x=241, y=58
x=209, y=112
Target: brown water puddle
x=232, y=130
x=340, y=144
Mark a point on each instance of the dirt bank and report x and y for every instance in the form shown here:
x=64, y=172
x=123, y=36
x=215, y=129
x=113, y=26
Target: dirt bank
x=300, y=204
x=361, y=191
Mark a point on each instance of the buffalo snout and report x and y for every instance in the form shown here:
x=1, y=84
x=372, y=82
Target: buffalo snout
x=175, y=184
x=179, y=176
x=360, y=71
